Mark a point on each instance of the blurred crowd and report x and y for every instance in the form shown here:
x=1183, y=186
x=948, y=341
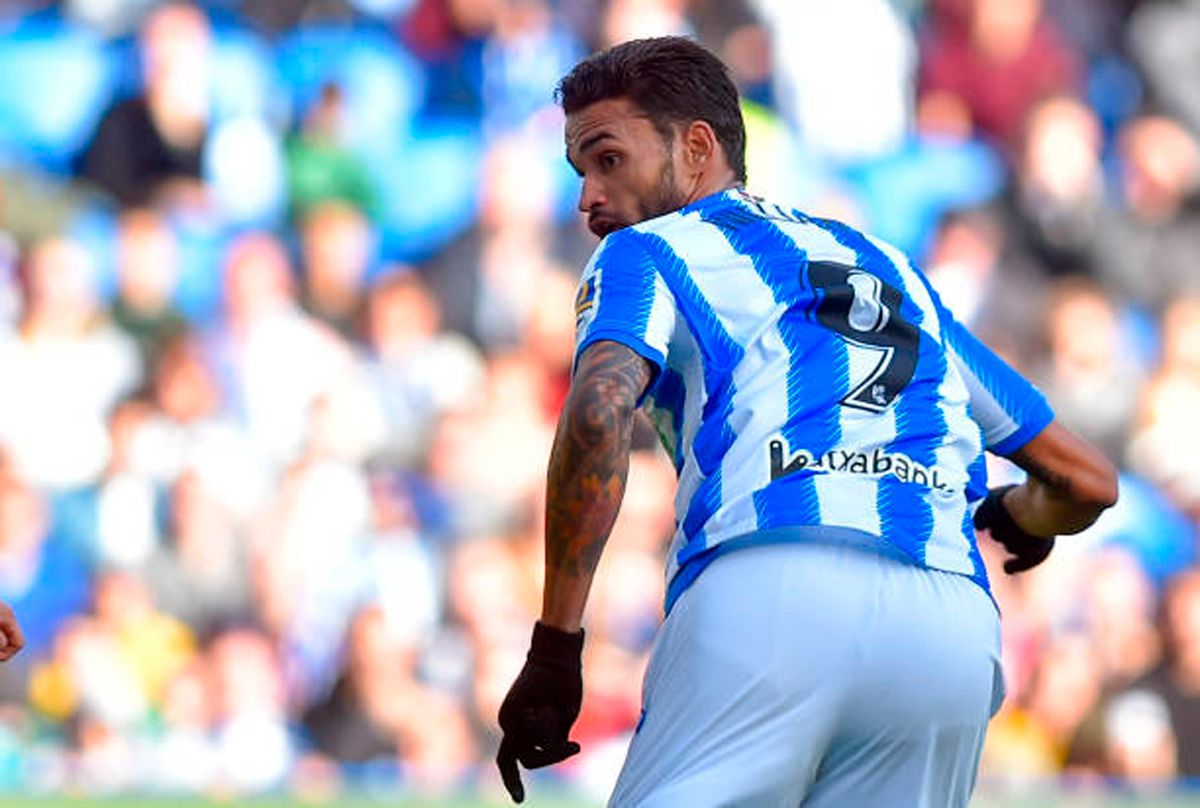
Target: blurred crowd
x=286, y=321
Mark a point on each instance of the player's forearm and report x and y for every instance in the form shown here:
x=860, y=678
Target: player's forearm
x=1041, y=511
x=1070, y=484
x=586, y=482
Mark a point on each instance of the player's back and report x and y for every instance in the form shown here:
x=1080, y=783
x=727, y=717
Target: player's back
x=806, y=383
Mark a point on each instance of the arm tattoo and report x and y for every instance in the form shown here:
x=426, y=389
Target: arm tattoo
x=590, y=459
x=1059, y=483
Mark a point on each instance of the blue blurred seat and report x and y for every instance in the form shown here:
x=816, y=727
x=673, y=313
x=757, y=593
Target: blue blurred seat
x=245, y=79
x=384, y=85
x=427, y=181
x=57, y=81
x=905, y=193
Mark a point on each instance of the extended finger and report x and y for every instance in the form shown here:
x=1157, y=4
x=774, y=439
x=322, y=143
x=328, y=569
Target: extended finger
x=1014, y=565
x=537, y=758
x=506, y=761
x=1021, y=563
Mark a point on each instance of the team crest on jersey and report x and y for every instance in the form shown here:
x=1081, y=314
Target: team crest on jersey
x=585, y=298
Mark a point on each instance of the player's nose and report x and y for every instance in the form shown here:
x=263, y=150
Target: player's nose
x=591, y=195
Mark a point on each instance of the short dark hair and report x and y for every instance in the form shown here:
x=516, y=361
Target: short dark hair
x=672, y=79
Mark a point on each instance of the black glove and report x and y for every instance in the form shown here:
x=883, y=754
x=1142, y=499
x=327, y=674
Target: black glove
x=541, y=706
x=1027, y=550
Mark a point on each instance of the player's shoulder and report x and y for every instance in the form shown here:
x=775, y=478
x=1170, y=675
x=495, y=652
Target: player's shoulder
x=617, y=246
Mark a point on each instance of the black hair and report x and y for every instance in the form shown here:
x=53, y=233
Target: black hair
x=672, y=79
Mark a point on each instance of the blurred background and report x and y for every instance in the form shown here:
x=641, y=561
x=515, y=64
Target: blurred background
x=286, y=321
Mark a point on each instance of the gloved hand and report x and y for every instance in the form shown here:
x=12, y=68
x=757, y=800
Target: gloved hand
x=541, y=706
x=1027, y=550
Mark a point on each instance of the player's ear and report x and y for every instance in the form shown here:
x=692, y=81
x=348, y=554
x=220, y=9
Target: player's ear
x=700, y=146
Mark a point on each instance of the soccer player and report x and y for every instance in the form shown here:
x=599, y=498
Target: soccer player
x=830, y=638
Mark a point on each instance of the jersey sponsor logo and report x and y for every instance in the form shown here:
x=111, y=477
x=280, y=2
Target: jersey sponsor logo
x=877, y=463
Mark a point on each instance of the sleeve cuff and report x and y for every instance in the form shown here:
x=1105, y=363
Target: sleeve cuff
x=1024, y=432
x=635, y=344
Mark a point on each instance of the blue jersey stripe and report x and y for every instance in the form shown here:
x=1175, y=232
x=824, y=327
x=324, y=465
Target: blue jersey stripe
x=920, y=429
x=980, y=575
x=977, y=478
x=818, y=369
x=670, y=393
x=791, y=500
x=720, y=351
x=704, y=504
x=630, y=299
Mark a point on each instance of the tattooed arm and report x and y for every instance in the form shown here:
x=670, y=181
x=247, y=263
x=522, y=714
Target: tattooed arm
x=1070, y=484
x=586, y=478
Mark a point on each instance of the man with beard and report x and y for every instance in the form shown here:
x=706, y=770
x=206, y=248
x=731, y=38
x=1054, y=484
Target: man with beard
x=829, y=639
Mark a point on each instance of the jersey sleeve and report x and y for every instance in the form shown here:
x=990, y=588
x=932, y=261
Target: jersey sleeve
x=623, y=298
x=1009, y=409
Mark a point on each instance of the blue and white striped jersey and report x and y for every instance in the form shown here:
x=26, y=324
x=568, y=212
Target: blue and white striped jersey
x=808, y=377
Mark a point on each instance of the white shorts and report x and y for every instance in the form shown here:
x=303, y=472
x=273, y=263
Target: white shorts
x=817, y=676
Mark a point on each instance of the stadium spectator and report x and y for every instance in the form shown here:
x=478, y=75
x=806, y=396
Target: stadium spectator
x=991, y=290
x=815, y=71
x=42, y=577
x=320, y=166
x=995, y=64
x=273, y=360
x=64, y=369
x=1164, y=446
x=1176, y=680
x=486, y=279
x=1149, y=248
x=420, y=371
x=1162, y=39
x=252, y=730
x=199, y=572
x=148, y=149
x=1093, y=374
x=337, y=251
x=147, y=273
x=1056, y=202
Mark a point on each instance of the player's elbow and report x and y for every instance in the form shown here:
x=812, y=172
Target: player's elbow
x=1072, y=470
x=1095, y=483
x=593, y=415
x=1103, y=490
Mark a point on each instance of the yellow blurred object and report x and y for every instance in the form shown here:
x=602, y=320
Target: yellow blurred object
x=1018, y=745
x=52, y=691
x=156, y=646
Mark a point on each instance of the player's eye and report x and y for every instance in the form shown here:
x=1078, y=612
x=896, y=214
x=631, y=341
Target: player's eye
x=609, y=160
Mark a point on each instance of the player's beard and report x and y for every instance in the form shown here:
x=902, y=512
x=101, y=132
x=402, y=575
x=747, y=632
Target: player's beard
x=666, y=197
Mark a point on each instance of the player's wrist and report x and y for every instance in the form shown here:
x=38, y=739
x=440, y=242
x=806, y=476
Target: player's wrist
x=1018, y=512
x=553, y=646
x=995, y=516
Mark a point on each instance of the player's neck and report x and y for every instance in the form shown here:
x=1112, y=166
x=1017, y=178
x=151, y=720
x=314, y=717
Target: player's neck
x=707, y=185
